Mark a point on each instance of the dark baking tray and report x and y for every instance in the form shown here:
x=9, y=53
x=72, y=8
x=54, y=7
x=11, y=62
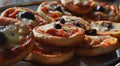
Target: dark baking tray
x=76, y=61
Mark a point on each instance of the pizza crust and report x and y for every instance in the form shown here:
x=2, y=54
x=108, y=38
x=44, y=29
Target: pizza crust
x=97, y=45
x=58, y=57
x=59, y=41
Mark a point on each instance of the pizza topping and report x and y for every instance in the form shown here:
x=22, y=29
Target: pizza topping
x=3, y=38
x=13, y=34
x=108, y=25
x=99, y=41
x=77, y=23
x=57, y=29
x=62, y=20
x=105, y=26
x=54, y=32
x=57, y=26
x=65, y=32
x=57, y=8
x=72, y=19
x=28, y=18
x=11, y=13
x=54, y=9
x=27, y=15
x=100, y=8
x=92, y=32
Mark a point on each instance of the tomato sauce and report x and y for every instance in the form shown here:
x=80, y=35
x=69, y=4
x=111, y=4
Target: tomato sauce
x=11, y=13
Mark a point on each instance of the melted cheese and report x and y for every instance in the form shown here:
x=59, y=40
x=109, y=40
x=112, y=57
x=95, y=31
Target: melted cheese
x=83, y=2
x=26, y=20
x=47, y=27
x=100, y=41
x=15, y=34
x=100, y=27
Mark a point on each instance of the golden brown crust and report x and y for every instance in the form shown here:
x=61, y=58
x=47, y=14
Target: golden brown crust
x=46, y=38
x=11, y=55
x=97, y=45
x=57, y=57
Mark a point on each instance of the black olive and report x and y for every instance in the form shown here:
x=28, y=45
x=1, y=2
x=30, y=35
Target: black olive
x=27, y=15
x=108, y=25
x=57, y=8
x=62, y=20
x=79, y=25
x=57, y=26
x=92, y=32
x=100, y=8
x=3, y=38
x=72, y=20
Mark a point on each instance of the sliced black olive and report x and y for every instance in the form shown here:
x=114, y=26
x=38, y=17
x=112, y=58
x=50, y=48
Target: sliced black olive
x=3, y=38
x=57, y=26
x=57, y=8
x=72, y=20
x=92, y=32
x=27, y=15
x=100, y=8
x=62, y=20
x=78, y=24
x=108, y=25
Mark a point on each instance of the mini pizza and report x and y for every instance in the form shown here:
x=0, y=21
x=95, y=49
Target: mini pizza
x=106, y=28
x=51, y=10
x=50, y=55
x=73, y=20
x=16, y=41
x=26, y=15
x=59, y=34
x=79, y=6
x=97, y=45
x=104, y=11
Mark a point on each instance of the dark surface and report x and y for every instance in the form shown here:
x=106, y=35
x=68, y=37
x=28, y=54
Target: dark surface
x=76, y=61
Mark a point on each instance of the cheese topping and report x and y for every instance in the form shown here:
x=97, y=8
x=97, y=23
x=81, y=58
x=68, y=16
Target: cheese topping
x=83, y=2
x=100, y=26
x=27, y=21
x=23, y=14
x=77, y=21
x=46, y=27
x=99, y=41
x=64, y=31
x=15, y=34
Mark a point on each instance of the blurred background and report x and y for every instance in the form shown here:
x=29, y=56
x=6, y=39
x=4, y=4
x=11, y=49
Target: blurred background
x=8, y=2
